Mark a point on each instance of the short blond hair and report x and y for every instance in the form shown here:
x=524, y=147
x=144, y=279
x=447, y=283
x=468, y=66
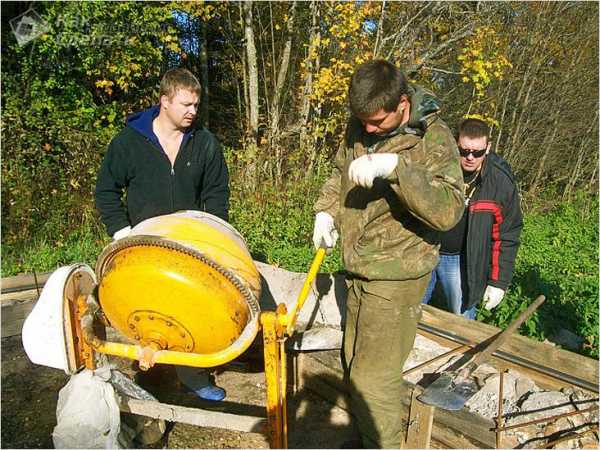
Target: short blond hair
x=176, y=79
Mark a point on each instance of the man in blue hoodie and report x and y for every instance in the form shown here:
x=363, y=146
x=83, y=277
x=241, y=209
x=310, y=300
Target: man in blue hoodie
x=162, y=163
x=158, y=164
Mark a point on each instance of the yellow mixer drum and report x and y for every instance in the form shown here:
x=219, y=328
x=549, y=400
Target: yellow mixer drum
x=182, y=282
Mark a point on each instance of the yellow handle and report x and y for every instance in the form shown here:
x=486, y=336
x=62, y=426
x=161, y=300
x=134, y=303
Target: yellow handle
x=312, y=273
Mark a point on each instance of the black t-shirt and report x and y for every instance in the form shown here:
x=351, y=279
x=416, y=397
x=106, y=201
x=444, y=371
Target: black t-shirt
x=454, y=240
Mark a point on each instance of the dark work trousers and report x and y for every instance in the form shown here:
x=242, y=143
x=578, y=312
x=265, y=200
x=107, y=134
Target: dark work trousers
x=381, y=324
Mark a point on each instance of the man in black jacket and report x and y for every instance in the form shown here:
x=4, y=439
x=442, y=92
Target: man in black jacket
x=162, y=163
x=159, y=163
x=477, y=256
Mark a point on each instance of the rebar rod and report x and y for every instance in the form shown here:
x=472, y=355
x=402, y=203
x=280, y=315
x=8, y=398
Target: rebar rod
x=570, y=436
x=546, y=419
x=459, y=349
x=499, y=420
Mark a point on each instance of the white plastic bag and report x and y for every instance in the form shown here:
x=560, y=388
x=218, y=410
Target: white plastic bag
x=87, y=413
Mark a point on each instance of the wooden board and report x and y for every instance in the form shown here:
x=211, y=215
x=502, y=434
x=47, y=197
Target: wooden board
x=24, y=281
x=539, y=353
x=193, y=416
x=15, y=310
x=420, y=422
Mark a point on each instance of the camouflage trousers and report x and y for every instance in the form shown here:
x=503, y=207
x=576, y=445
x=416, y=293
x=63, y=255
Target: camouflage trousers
x=381, y=323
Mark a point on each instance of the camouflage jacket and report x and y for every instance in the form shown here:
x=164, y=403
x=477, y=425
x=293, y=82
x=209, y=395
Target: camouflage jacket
x=392, y=231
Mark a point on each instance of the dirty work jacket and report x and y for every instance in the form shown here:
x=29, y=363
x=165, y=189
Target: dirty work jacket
x=494, y=228
x=134, y=163
x=392, y=231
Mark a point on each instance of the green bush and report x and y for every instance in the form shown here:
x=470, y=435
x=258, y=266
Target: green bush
x=558, y=257
x=277, y=223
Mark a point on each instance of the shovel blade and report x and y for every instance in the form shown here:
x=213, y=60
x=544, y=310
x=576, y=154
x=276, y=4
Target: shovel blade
x=449, y=392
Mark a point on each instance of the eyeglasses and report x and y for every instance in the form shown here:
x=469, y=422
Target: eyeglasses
x=476, y=153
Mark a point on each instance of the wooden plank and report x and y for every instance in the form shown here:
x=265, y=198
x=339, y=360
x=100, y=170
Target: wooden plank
x=540, y=353
x=21, y=296
x=13, y=317
x=193, y=416
x=24, y=280
x=420, y=422
x=322, y=373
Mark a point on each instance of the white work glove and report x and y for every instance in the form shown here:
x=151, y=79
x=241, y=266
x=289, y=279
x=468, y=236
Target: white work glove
x=324, y=230
x=492, y=297
x=365, y=169
x=123, y=232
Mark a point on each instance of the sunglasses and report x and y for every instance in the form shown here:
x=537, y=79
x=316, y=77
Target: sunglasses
x=476, y=153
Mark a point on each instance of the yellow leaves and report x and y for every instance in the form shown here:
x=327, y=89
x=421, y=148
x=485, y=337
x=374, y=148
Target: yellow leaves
x=484, y=117
x=277, y=27
x=347, y=18
x=343, y=44
x=74, y=183
x=106, y=85
x=482, y=61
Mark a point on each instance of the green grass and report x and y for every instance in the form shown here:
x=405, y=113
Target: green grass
x=45, y=254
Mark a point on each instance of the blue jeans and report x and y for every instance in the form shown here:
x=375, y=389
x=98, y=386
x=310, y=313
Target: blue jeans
x=450, y=272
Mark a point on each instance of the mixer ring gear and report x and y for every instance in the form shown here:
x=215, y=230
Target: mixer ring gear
x=156, y=241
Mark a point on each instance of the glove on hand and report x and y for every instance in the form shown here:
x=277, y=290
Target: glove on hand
x=365, y=169
x=123, y=232
x=324, y=231
x=492, y=297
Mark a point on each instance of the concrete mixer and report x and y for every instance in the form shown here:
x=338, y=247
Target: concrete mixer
x=184, y=288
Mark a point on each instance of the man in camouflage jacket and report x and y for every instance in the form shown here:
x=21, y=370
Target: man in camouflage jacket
x=397, y=183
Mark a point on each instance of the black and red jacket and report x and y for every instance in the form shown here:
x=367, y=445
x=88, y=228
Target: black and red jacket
x=493, y=230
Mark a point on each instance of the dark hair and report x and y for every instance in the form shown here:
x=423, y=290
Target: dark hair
x=179, y=78
x=375, y=85
x=474, y=128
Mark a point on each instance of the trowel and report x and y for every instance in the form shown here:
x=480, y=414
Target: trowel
x=454, y=388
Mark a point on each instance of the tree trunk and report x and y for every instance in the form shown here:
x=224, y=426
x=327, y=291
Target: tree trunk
x=275, y=103
x=542, y=165
x=252, y=72
x=204, y=103
x=315, y=37
x=379, y=28
x=583, y=151
x=245, y=84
